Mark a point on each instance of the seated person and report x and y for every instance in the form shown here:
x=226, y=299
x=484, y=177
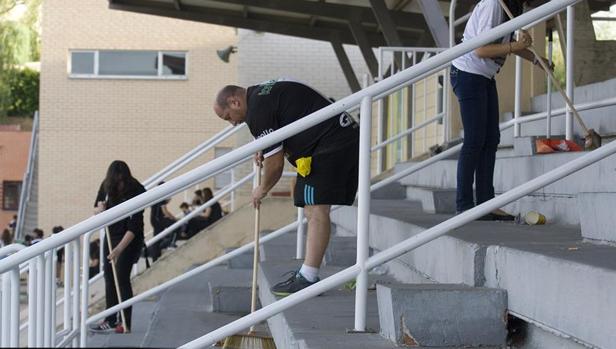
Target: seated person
x=209, y=215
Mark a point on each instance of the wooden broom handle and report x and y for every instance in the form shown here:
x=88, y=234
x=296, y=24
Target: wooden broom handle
x=115, y=281
x=255, y=257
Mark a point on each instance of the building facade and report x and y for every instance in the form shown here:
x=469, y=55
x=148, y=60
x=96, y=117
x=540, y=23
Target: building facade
x=14, y=148
x=117, y=85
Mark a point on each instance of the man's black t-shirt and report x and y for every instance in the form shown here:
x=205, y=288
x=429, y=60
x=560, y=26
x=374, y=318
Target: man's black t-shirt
x=277, y=103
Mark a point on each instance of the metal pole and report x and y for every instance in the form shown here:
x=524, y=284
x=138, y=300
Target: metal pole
x=14, y=340
x=299, y=250
x=76, y=315
x=32, y=303
x=40, y=299
x=233, y=192
x=380, y=117
x=363, y=214
x=47, y=298
x=101, y=237
x=52, y=315
x=6, y=314
x=85, y=290
x=452, y=23
x=548, y=129
x=517, y=109
x=68, y=260
x=569, y=71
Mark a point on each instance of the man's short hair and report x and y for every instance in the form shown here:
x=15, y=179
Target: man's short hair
x=226, y=92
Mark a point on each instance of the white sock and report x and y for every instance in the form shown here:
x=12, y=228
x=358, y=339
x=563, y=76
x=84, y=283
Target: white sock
x=309, y=273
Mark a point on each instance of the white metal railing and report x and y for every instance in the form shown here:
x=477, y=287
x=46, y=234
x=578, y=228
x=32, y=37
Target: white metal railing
x=360, y=268
x=419, y=106
x=26, y=189
x=409, y=76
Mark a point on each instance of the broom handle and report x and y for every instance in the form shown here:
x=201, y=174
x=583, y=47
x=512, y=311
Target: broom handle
x=550, y=74
x=255, y=257
x=115, y=281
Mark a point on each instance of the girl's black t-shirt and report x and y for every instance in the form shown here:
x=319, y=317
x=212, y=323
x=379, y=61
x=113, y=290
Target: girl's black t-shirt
x=277, y=103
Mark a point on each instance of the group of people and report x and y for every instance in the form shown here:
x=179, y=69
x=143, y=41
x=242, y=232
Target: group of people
x=326, y=155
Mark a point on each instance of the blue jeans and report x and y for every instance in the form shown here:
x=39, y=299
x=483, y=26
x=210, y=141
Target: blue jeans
x=478, y=100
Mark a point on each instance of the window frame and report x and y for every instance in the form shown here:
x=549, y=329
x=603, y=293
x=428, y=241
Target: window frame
x=96, y=74
x=5, y=184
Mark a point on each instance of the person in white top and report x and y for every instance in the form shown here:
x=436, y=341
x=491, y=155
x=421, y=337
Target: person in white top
x=472, y=79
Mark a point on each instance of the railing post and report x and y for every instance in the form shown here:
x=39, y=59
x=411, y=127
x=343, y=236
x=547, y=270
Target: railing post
x=47, y=299
x=569, y=71
x=517, y=109
x=6, y=314
x=32, y=315
x=380, y=121
x=52, y=315
x=40, y=300
x=68, y=262
x=299, y=250
x=14, y=339
x=548, y=116
x=363, y=213
x=233, y=192
x=76, y=315
x=85, y=290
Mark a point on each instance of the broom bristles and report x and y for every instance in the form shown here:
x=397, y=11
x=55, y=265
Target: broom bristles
x=249, y=341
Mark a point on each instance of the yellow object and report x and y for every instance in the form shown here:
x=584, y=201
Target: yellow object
x=304, y=165
x=533, y=218
x=249, y=341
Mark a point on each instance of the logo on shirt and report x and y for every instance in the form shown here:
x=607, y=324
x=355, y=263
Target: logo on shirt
x=266, y=87
x=345, y=120
x=265, y=133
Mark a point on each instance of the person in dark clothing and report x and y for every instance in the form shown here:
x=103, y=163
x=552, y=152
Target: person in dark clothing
x=95, y=258
x=126, y=238
x=161, y=219
x=60, y=256
x=209, y=215
x=325, y=155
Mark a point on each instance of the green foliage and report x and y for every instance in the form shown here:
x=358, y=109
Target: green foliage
x=19, y=43
x=23, y=92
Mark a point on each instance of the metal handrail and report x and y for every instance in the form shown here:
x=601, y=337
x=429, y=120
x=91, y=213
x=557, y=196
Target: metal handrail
x=26, y=189
x=184, y=181
x=191, y=155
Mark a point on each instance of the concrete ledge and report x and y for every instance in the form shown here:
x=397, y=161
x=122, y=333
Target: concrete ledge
x=551, y=276
x=442, y=315
x=243, y=261
x=230, y=292
x=597, y=218
x=433, y=200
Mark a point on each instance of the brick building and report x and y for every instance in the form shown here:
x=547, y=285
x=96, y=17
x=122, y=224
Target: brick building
x=14, y=147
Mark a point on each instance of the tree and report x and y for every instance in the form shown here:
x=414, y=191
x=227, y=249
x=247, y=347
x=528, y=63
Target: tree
x=19, y=43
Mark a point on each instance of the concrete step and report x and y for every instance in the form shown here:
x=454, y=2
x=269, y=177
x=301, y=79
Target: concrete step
x=230, y=290
x=597, y=218
x=556, y=201
x=341, y=250
x=320, y=322
x=433, y=200
x=442, y=315
x=542, y=268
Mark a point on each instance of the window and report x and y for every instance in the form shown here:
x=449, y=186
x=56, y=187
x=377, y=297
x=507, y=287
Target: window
x=128, y=64
x=222, y=179
x=10, y=195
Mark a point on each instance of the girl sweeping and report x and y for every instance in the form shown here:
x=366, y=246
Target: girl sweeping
x=126, y=238
x=472, y=79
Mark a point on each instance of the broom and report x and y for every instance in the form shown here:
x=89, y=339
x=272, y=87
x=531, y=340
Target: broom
x=125, y=329
x=592, y=139
x=252, y=340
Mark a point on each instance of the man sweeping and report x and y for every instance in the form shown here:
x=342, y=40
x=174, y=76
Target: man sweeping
x=325, y=155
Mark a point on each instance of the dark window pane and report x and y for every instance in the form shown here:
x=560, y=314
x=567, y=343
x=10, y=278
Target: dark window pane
x=10, y=195
x=82, y=63
x=174, y=63
x=135, y=63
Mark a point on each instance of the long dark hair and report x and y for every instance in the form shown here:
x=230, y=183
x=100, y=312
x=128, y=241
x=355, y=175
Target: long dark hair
x=207, y=194
x=515, y=6
x=118, y=181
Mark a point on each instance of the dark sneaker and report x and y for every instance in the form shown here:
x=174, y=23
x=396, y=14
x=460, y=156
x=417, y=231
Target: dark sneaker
x=103, y=327
x=293, y=284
